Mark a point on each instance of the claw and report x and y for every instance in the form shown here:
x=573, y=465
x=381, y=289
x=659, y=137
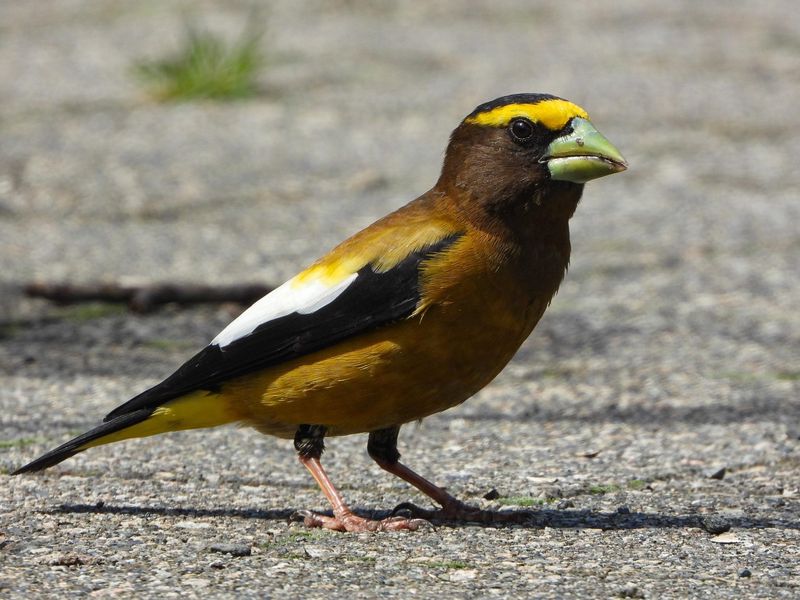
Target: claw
x=402, y=512
x=409, y=510
x=299, y=516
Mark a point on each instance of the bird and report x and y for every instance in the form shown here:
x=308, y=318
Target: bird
x=408, y=317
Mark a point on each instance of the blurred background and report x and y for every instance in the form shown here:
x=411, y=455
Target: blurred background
x=230, y=142
x=233, y=142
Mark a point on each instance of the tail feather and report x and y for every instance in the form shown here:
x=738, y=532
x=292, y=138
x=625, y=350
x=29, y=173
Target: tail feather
x=196, y=410
x=84, y=441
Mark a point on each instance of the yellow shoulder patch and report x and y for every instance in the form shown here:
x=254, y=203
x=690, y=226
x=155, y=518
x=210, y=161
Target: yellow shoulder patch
x=383, y=247
x=553, y=114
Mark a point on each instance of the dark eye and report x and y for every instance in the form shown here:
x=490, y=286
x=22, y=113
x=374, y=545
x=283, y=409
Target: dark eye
x=521, y=130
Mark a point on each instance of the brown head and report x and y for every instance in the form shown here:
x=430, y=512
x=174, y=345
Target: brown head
x=524, y=157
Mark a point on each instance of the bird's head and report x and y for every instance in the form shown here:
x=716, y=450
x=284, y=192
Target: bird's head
x=527, y=149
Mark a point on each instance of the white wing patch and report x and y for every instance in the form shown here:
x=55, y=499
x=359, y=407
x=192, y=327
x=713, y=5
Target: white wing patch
x=289, y=298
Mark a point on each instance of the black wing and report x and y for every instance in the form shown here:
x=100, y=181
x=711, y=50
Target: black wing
x=372, y=300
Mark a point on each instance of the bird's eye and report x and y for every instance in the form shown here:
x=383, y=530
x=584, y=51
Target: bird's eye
x=521, y=130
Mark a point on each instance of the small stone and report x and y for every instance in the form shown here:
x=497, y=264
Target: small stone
x=69, y=559
x=551, y=492
x=745, y=573
x=232, y=549
x=463, y=575
x=564, y=504
x=542, y=480
x=314, y=552
x=192, y=525
x=715, y=524
x=492, y=494
x=623, y=510
x=719, y=474
x=726, y=538
x=630, y=591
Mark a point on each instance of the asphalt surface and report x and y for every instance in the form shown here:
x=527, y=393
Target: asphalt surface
x=671, y=352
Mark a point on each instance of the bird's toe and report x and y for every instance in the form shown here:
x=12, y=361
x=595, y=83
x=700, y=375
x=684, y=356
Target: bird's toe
x=458, y=512
x=353, y=523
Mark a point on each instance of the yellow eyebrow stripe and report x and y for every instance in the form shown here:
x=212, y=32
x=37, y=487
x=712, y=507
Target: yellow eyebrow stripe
x=553, y=114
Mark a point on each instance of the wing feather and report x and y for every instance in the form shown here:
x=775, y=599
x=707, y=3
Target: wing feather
x=305, y=298
x=294, y=320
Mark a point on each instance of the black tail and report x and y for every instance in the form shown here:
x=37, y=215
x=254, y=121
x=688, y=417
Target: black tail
x=72, y=447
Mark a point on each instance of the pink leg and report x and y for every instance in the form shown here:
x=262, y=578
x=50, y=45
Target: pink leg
x=343, y=518
x=382, y=447
x=452, y=509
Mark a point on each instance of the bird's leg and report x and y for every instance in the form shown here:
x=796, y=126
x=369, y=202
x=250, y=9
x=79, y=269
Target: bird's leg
x=309, y=443
x=382, y=447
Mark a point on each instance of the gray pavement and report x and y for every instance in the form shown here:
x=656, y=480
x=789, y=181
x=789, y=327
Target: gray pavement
x=672, y=350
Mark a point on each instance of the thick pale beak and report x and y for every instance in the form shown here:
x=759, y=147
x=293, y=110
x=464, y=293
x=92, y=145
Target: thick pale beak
x=582, y=155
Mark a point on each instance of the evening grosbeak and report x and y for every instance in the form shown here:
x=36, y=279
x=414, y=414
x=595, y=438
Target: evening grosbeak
x=409, y=317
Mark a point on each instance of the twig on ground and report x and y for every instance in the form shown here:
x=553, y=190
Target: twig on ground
x=146, y=297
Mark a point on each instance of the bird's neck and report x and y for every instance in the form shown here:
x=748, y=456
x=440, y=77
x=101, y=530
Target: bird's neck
x=530, y=217
x=527, y=233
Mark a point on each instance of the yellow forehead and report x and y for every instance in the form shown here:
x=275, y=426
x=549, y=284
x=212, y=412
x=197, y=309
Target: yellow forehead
x=553, y=114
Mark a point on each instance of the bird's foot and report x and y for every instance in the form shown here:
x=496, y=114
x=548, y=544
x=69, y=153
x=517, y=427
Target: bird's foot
x=353, y=523
x=459, y=511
